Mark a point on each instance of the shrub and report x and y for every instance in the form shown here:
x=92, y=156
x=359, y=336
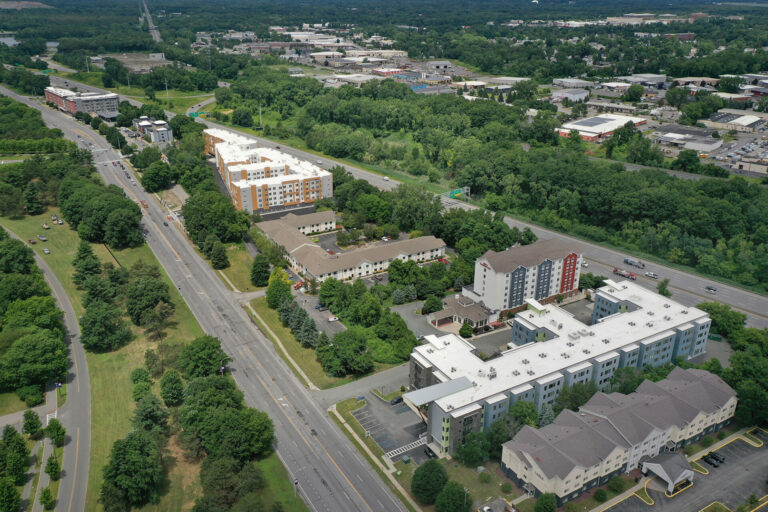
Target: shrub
x=465, y=331
x=31, y=395
x=601, y=495
x=140, y=389
x=485, y=478
x=506, y=487
x=428, y=481
x=140, y=375
x=720, y=435
x=707, y=441
x=616, y=484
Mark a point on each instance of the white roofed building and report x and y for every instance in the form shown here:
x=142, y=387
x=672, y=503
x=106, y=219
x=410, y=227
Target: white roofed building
x=599, y=127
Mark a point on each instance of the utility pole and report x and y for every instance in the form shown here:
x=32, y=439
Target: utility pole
x=166, y=87
x=260, y=121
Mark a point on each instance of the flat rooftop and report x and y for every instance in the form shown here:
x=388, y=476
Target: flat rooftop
x=601, y=124
x=574, y=343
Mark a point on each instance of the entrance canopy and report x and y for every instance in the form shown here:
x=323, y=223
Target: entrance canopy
x=673, y=468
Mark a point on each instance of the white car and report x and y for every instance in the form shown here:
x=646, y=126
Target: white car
x=386, y=178
x=584, y=264
x=651, y=275
x=46, y=250
x=333, y=319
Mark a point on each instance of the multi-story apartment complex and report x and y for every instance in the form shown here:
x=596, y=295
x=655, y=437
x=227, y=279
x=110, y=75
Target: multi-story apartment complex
x=101, y=104
x=633, y=327
x=264, y=179
x=615, y=433
x=542, y=271
x=313, y=262
x=158, y=131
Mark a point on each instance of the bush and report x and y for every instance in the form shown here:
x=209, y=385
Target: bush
x=601, y=496
x=547, y=502
x=720, y=435
x=465, y=331
x=506, y=487
x=428, y=481
x=140, y=375
x=31, y=395
x=616, y=484
x=485, y=478
x=707, y=441
x=140, y=389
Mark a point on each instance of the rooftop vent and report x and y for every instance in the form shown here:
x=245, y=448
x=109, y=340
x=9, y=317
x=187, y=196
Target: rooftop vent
x=515, y=373
x=606, y=341
x=586, y=351
x=446, y=342
x=525, y=361
x=667, y=317
x=570, y=344
x=531, y=372
x=667, y=306
x=453, y=369
x=542, y=355
x=649, y=324
x=632, y=324
x=685, y=311
x=430, y=350
x=492, y=373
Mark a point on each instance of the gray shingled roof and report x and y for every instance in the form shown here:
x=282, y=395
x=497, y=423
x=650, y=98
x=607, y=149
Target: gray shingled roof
x=610, y=420
x=529, y=255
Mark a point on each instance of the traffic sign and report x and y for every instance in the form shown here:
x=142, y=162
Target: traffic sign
x=456, y=192
x=194, y=114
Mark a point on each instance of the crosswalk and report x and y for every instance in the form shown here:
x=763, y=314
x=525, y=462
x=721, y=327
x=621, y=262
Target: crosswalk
x=408, y=447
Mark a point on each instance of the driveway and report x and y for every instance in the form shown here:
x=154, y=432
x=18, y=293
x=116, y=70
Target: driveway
x=742, y=474
x=308, y=302
x=417, y=323
x=391, y=426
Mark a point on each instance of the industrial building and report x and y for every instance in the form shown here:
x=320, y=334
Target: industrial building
x=264, y=179
x=615, y=433
x=542, y=271
x=573, y=95
x=572, y=83
x=101, y=104
x=687, y=137
x=631, y=327
x=598, y=127
x=313, y=262
x=157, y=131
x=727, y=121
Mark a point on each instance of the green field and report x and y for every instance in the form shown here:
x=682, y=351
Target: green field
x=239, y=269
x=10, y=403
x=279, y=486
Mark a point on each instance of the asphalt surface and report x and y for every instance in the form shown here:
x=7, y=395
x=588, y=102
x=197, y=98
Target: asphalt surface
x=153, y=30
x=331, y=475
x=75, y=414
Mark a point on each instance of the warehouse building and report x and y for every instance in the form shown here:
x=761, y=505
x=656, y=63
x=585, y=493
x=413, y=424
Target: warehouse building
x=573, y=95
x=598, y=127
x=687, y=137
x=615, y=433
x=100, y=104
x=456, y=392
x=572, y=83
x=746, y=123
x=264, y=179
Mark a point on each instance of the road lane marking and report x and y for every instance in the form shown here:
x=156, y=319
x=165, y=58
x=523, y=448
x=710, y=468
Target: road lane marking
x=74, y=477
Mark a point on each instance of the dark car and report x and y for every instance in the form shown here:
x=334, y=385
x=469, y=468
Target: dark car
x=165, y=223
x=318, y=306
x=396, y=400
x=429, y=453
x=322, y=309
x=712, y=462
x=711, y=289
x=714, y=455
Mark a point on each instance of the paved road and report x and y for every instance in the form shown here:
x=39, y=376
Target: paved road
x=332, y=476
x=75, y=414
x=152, y=28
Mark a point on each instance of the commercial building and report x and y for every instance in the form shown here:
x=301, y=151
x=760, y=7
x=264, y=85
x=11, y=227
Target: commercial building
x=646, y=79
x=265, y=179
x=599, y=127
x=615, y=433
x=687, y=137
x=573, y=95
x=572, y=83
x=606, y=106
x=747, y=123
x=631, y=327
x=542, y=271
x=313, y=262
x=158, y=131
x=100, y=104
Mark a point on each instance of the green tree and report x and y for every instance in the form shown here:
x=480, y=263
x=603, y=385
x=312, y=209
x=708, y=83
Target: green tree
x=626, y=380
x=172, y=388
x=55, y=432
x=278, y=288
x=15, y=257
x=103, y=328
x=47, y=499
x=474, y=450
x=140, y=390
x=432, y=304
x=134, y=472
x=242, y=117
x=218, y=256
x=725, y=320
x=150, y=415
x=465, y=331
x=663, y=288
x=428, y=480
x=16, y=465
x=86, y=263
x=601, y=495
x=260, y=270
x=10, y=500
x=53, y=468
x=498, y=434
x=573, y=397
x=33, y=205
x=524, y=413
x=158, y=176
x=546, y=415
x=202, y=357
x=688, y=161
x=634, y=93
x=32, y=425
x=453, y=498
x=35, y=358
x=143, y=294
x=616, y=484
x=547, y=502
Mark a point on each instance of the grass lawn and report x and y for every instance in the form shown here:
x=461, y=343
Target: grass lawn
x=239, y=269
x=36, y=479
x=9, y=403
x=697, y=447
x=279, y=486
x=643, y=495
x=526, y=506
x=54, y=485
x=304, y=357
x=716, y=507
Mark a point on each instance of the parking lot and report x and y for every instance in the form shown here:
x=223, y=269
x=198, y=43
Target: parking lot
x=742, y=473
x=391, y=426
x=308, y=302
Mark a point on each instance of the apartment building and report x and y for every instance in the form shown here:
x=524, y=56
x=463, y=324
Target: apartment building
x=615, y=433
x=632, y=327
x=101, y=104
x=542, y=271
x=158, y=131
x=313, y=262
x=263, y=179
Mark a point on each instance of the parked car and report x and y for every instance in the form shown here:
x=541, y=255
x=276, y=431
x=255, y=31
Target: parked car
x=59, y=222
x=651, y=275
x=716, y=456
x=42, y=238
x=386, y=178
x=46, y=226
x=323, y=309
x=585, y=264
x=46, y=250
x=318, y=306
x=333, y=319
x=54, y=217
x=378, y=277
x=429, y=453
x=165, y=223
x=396, y=400
x=32, y=241
x=711, y=289
x=712, y=462
x=298, y=285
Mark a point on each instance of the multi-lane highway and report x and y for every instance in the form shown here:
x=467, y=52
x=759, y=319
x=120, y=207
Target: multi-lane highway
x=152, y=28
x=331, y=475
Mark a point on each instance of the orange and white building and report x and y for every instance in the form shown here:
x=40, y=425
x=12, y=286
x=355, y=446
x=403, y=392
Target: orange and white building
x=264, y=179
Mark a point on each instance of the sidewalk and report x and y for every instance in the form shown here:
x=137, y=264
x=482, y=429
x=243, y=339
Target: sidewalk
x=44, y=480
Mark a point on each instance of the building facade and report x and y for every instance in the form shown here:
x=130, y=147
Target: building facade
x=264, y=179
x=101, y=104
x=542, y=271
x=615, y=433
x=633, y=327
x=158, y=131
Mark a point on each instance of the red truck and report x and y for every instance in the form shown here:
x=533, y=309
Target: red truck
x=624, y=273
x=144, y=204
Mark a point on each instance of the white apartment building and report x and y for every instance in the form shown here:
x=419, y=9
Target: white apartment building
x=615, y=433
x=101, y=104
x=632, y=327
x=265, y=179
x=158, y=131
x=542, y=270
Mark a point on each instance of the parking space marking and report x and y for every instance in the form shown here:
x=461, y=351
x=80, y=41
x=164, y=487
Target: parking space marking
x=690, y=484
x=714, y=503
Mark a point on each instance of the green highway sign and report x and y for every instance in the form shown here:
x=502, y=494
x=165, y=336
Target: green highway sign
x=455, y=193
x=194, y=114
